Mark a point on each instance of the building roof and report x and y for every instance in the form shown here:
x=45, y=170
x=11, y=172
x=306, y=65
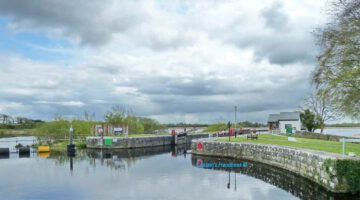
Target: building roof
x=284, y=116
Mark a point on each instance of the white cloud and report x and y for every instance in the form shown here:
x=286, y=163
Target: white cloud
x=62, y=103
x=192, y=59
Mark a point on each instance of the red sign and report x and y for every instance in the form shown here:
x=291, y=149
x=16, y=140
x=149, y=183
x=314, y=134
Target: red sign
x=232, y=131
x=199, y=146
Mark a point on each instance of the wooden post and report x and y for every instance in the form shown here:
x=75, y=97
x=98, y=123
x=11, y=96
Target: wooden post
x=229, y=125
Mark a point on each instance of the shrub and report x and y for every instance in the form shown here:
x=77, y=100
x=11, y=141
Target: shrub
x=60, y=128
x=347, y=171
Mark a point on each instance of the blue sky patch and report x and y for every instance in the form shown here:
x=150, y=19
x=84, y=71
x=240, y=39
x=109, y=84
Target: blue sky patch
x=32, y=45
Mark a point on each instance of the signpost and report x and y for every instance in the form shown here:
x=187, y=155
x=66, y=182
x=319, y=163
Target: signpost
x=229, y=126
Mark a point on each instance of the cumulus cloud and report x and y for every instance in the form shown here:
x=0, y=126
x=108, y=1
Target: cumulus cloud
x=87, y=22
x=178, y=61
x=63, y=103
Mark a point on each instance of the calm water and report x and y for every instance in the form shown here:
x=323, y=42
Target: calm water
x=350, y=132
x=13, y=141
x=148, y=173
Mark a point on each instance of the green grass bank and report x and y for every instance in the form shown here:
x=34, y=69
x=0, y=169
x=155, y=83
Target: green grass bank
x=303, y=143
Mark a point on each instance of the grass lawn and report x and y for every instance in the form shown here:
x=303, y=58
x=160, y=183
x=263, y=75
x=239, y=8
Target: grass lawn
x=62, y=145
x=314, y=144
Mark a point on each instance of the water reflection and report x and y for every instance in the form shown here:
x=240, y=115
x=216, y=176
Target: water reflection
x=295, y=184
x=144, y=173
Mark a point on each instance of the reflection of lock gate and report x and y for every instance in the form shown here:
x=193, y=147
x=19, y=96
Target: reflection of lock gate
x=178, y=138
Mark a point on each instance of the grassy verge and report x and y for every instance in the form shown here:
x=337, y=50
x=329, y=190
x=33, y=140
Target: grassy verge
x=304, y=143
x=15, y=132
x=60, y=145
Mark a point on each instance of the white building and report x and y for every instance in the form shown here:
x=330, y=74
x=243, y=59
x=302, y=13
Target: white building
x=285, y=122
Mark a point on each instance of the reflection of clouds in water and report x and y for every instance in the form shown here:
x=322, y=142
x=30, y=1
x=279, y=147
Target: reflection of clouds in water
x=12, y=141
x=153, y=177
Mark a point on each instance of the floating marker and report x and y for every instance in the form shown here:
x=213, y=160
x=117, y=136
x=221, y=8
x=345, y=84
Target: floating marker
x=43, y=149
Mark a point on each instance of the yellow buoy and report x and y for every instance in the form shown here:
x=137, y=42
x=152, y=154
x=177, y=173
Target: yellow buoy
x=43, y=149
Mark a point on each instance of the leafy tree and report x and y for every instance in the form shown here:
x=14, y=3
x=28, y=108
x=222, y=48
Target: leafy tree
x=137, y=125
x=118, y=115
x=150, y=125
x=59, y=129
x=338, y=72
x=310, y=120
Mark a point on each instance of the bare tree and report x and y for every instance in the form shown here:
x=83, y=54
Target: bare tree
x=320, y=104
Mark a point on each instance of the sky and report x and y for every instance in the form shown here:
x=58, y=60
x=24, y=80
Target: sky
x=174, y=61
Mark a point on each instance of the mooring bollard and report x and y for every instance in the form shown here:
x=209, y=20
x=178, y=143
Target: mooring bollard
x=174, y=137
x=4, y=153
x=71, y=146
x=24, y=152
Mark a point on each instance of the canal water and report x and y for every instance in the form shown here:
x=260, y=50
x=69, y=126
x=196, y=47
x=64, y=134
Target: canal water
x=149, y=173
x=347, y=132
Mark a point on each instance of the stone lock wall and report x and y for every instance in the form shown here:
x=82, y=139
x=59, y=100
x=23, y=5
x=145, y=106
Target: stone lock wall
x=137, y=142
x=123, y=143
x=309, y=164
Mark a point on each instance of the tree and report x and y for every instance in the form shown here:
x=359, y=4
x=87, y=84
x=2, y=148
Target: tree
x=320, y=104
x=118, y=115
x=150, y=125
x=310, y=120
x=338, y=72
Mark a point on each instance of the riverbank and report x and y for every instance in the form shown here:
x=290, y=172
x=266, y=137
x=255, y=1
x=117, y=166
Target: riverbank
x=15, y=132
x=326, y=169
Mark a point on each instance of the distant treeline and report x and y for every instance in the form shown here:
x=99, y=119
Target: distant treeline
x=26, y=125
x=59, y=127
x=244, y=124
x=185, y=125
x=249, y=124
x=344, y=125
x=239, y=124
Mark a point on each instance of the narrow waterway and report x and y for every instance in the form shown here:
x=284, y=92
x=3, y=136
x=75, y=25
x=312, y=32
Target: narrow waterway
x=148, y=173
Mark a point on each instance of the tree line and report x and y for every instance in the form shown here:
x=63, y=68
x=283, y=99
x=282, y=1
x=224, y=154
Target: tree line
x=117, y=115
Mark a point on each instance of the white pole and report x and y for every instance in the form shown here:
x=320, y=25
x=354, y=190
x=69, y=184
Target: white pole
x=343, y=148
x=71, y=132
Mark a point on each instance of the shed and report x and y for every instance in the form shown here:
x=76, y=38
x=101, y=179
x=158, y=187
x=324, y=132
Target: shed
x=285, y=122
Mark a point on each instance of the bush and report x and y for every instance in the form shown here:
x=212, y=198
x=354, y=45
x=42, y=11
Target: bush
x=317, y=136
x=348, y=173
x=81, y=145
x=60, y=128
